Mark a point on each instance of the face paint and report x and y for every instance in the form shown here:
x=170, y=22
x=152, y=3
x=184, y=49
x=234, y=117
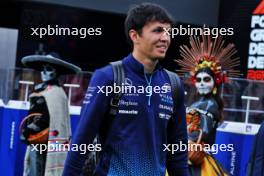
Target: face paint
x=204, y=83
x=48, y=73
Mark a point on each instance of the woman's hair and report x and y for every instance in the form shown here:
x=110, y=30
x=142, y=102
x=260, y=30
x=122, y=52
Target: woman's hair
x=216, y=96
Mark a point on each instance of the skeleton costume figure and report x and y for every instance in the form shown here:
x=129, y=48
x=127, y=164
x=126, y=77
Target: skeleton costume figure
x=208, y=62
x=48, y=121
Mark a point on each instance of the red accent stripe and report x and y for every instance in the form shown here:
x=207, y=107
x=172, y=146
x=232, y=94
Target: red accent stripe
x=259, y=9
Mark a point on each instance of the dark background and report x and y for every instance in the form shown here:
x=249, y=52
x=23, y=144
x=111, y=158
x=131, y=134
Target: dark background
x=96, y=51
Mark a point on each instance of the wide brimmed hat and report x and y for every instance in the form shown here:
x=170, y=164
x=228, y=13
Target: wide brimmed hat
x=37, y=61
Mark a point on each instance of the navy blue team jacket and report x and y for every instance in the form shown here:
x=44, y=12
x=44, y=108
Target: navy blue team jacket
x=134, y=143
x=257, y=157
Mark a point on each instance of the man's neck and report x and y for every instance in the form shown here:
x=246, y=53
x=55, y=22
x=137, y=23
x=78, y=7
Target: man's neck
x=149, y=64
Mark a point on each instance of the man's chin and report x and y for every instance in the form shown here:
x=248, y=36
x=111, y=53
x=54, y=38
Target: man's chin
x=158, y=57
x=161, y=57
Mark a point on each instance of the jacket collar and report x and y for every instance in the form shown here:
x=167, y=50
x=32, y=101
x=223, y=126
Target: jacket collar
x=136, y=66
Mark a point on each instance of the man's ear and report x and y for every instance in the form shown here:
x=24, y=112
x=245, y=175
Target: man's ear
x=134, y=36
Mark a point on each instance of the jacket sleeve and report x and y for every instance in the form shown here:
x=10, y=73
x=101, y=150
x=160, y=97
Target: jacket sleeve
x=258, y=167
x=177, y=134
x=94, y=107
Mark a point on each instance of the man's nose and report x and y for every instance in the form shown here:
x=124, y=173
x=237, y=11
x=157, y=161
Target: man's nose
x=165, y=37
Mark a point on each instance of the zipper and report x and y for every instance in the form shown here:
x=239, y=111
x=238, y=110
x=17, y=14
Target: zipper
x=149, y=84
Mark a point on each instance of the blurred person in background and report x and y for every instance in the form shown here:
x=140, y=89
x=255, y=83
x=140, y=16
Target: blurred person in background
x=48, y=122
x=207, y=63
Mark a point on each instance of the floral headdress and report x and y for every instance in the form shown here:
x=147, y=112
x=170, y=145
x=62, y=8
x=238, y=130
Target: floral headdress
x=208, y=53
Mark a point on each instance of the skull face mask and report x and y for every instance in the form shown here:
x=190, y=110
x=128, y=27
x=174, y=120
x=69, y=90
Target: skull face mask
x=48, y=73
x=204, y=83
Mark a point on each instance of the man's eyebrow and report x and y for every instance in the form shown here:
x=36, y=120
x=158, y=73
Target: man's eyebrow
x=160, y=28
x=163, y=28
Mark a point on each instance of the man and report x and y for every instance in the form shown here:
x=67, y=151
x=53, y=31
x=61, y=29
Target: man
x=133, y=141
x=255, y=164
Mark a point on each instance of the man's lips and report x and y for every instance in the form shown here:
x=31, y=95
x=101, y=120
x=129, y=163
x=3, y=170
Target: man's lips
x=162, y=47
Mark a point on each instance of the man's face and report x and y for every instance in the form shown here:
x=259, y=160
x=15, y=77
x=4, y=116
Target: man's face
x=153, y=42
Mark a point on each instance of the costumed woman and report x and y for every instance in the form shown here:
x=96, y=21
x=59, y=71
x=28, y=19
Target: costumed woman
x=208, y=62
x=48, y=120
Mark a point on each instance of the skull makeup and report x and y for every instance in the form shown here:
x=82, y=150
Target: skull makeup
x=48, y=73
x=204, y=83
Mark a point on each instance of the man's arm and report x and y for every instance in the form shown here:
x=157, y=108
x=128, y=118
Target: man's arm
x=177, y=134
x=259, y=156
x=94, y=107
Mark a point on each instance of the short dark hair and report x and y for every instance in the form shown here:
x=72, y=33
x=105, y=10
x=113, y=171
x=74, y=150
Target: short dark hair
x=139, y=15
